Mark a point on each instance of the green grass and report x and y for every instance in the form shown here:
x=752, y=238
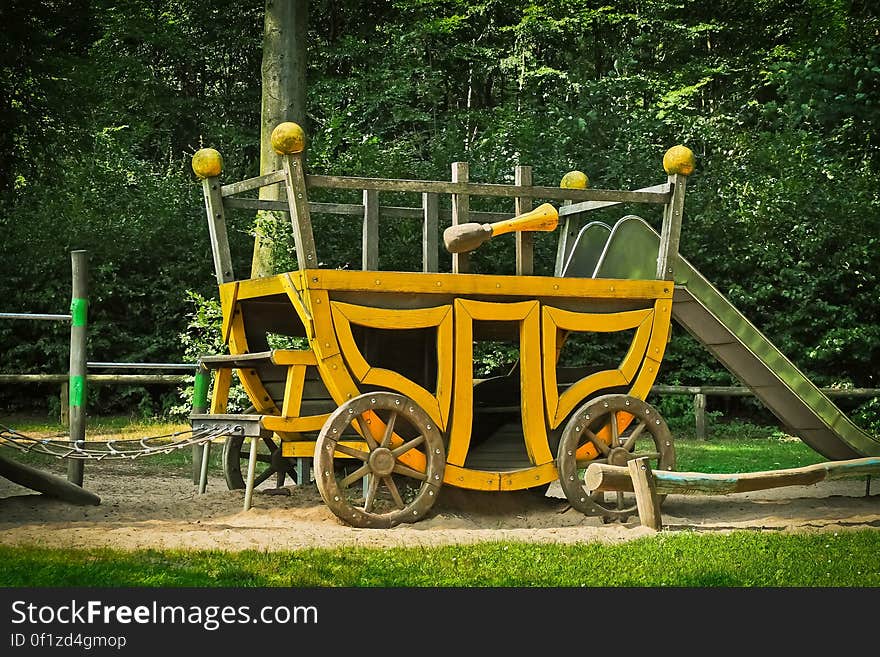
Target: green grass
x=674, y=559
x=740, y=559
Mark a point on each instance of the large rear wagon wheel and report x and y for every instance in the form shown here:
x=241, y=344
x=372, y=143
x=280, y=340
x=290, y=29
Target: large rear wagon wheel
x=269, y=462
x=619, y=428
x=395, y=477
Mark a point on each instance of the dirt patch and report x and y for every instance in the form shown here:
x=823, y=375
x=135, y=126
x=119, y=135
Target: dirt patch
x=147, y=510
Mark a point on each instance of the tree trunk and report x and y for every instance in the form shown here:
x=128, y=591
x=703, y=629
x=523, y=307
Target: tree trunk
x=283, y=99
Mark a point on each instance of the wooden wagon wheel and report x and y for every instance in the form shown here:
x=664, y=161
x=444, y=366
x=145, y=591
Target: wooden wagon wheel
x=269, y=462
x=395, y=477
x=619, y=428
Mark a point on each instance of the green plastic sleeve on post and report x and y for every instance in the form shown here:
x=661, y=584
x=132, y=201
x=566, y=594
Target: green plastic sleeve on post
x=200, y=390
x=77, y=391
x=79, y=309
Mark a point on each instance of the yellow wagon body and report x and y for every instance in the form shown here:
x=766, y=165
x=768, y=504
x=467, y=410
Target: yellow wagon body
x=387, y=345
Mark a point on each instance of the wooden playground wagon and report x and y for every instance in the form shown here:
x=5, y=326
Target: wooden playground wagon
x=383, y=403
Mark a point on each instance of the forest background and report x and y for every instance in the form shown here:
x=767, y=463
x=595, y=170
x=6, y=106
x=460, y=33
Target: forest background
x=103, y=103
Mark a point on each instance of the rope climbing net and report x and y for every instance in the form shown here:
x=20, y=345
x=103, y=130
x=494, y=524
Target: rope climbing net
x=113, y=449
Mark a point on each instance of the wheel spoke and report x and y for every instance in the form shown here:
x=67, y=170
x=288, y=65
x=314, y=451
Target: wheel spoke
x=583, y=465
x=371, y=493
x=351, y=451
x=407, y=471
x=270, y=444
x=403, y=449
x=357, y=475
x=389, y=430
x=263, y=476
x=620, y=504
x=392, y=487
x=628, y=445
x=650, y=455
x=365, y=430
x=615, y=430
x=600, y=444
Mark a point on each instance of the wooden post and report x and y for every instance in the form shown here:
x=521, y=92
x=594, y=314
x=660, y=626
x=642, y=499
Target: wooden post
x=217, y=230
x=700, y=415
x=525, y=240
x=65, y=404
x=300, y=217
x=370, y=240
x=671, y=230
x=646, y=495
x=430, y=232
x=461, y=210
x=79, y=308
x=566, y=239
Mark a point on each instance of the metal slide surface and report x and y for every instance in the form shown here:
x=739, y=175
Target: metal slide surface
x=712, y=320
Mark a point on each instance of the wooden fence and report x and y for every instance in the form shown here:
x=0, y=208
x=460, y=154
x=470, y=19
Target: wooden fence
x=699, y=393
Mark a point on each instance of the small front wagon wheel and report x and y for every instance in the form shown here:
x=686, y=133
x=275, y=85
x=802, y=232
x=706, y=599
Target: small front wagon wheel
x=379, y=461
x=612, y=429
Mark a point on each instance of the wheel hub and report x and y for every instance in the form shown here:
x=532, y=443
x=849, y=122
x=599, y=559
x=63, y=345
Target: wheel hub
x=619, y=456
x=382, y=461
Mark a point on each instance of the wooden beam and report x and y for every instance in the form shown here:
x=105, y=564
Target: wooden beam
x=670, y=234
x=217, y=230
x=370, y=233
x=646, y=495
x=430, y=232
x=48, y=484
x=461, y=207
x=486, y=189
x=604, y=477
x=298, y=204
x=525, y=241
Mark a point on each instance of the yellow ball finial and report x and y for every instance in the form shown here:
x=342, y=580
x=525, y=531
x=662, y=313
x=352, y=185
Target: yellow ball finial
x=207, y=163
x=574, y=180
x=288, y=137
x=679, y=159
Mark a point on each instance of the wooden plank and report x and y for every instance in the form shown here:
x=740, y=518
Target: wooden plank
x=604, y=477
x=217, y=230
x=463, y=187
x=487, y=284
x=671, y=230
x=461, y=206
x=647, y=501
x=357, y=210
x=293, y=389
x=430, y=232
x=664, y=191
x=298, y=206
x=253, y=183
x=48, y=484
x=525, y=240
x=370, y=233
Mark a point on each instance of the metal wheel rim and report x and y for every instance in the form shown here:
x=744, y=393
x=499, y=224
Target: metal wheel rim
x=335, y=488
x=593, y=415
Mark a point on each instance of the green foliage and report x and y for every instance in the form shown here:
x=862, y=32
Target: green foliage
x=778, y=100
x=203, y=337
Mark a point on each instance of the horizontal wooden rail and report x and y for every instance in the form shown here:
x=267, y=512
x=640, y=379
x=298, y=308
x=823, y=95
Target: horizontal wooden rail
x=605, y=477
x=485, y=189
